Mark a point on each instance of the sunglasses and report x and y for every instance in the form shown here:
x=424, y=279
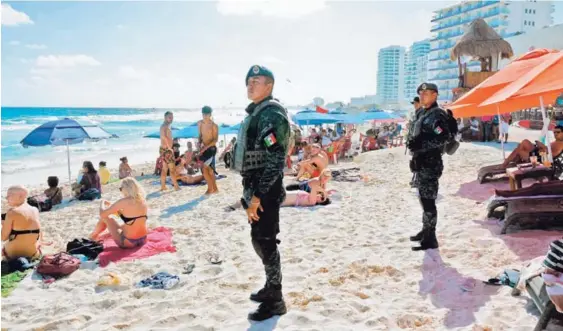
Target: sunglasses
x=556, y=132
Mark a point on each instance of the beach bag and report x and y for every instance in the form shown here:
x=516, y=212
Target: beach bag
x=45, y=205
x=89, y=248
x=58, y=265
x=90, y=194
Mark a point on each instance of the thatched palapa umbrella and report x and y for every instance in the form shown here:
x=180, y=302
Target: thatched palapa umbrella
x=481, y=41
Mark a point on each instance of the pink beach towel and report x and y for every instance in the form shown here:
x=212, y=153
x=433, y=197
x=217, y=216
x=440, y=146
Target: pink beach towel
x=159, y=240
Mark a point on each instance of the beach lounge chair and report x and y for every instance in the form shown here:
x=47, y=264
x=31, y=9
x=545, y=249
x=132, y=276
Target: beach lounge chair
x=537, y=292
x=488, y=172
x=534, y=213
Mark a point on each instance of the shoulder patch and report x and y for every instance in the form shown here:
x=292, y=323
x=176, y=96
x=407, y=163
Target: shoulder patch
x=438, y=130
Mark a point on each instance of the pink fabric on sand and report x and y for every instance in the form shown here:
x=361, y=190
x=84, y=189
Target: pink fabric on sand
x=159, y=240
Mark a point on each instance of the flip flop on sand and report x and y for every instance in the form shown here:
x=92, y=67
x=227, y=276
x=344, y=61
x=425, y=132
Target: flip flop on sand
x=188, y=269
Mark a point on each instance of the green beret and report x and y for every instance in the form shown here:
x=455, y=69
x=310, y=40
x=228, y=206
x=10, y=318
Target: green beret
x=427, y=86
x=257, y=70
x=206, y=110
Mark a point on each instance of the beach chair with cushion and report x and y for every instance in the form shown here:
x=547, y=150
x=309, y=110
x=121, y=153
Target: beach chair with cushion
x=535, y=287
x=543, y=212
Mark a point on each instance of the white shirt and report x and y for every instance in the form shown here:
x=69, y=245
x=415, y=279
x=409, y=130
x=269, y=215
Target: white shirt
x=475, y=125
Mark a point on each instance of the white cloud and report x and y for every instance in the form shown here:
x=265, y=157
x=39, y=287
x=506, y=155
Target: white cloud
x=12, y=17
x=65, y=61
x=14, y=43
x=128, y=72
x=276, y=8
x=36, y=46
x=121, y=26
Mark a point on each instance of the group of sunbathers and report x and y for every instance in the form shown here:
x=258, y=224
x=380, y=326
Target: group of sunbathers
x=21, y=227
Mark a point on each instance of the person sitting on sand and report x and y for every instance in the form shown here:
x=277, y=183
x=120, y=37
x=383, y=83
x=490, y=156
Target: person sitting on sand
x=295, y=199
x=314, y=185
x=21, y=228
x=313, y=167
x=124, y=168
x=90, y=178
x=54, y=193
x=132, y=209
x=104, y=173
x=522, y=152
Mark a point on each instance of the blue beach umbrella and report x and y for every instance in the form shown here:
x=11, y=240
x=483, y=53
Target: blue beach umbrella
x=347, y=118
x=378, y=115
x=311, y=117
x=65, y=132
x=156, y=134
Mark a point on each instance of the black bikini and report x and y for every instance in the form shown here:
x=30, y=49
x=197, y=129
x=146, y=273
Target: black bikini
x=15, y=233
x=130, y=220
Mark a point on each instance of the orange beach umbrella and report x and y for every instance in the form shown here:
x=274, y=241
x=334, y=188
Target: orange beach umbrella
x=468, y=104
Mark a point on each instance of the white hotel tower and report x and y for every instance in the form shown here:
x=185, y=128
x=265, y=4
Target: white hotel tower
x=508, y=18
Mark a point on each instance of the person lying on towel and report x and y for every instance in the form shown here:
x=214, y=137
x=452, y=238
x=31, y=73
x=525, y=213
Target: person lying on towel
x=295, y=199
x=132, y=209
x=21, y=227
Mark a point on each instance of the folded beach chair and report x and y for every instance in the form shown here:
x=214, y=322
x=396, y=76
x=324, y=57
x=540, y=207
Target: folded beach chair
x=488, y=172
x=537, y=292
x=542, y=212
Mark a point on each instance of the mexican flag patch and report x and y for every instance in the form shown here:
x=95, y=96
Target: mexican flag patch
x=270, y=140
x=438, y=130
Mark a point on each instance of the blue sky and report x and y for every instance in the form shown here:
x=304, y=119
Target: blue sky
x=185, y=54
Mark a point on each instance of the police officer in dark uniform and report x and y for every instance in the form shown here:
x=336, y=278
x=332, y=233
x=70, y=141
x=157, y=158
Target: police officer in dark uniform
x=428, y=138
x=259, y=156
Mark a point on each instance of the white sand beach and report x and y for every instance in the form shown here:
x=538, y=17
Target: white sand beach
x=347, y=266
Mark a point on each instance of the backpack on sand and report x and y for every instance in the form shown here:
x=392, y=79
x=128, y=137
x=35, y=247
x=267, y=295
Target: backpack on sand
x=58, y=265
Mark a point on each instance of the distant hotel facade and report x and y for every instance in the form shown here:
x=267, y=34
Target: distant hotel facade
x=508, y=18
x=416, y=66
x=390, y=75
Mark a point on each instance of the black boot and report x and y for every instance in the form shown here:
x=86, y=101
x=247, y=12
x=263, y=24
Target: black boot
x=268, y=310
x=417, y=237
x=428, y=241
x=266, y=294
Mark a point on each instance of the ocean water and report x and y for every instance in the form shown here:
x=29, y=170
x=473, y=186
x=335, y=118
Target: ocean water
x=32, y=165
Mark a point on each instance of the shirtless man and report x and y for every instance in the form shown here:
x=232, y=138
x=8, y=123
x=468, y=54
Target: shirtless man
x=21, y=229
x=167, y=153
x=522, y=151
x=208, y=136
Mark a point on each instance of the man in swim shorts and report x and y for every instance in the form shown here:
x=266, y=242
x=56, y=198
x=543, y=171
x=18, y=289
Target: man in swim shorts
x=166, y=152
x=208, y=136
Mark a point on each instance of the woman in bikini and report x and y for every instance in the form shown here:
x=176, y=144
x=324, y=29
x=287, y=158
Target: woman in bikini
x=132, y=209
x=313, y=185
x=21, y=228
